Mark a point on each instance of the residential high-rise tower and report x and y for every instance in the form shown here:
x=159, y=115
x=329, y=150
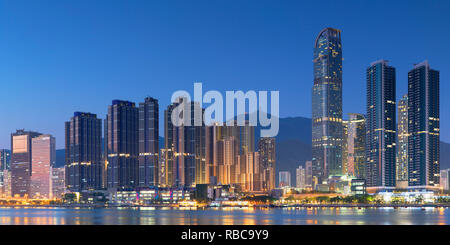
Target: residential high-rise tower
x=43, y=158
x=122, y=151
x=21, y=166
x=381, y=125
x=266, y=148
x=402, y=142
x=148, y=142
x=354, y=154
x=423, y=128
x=83, y=152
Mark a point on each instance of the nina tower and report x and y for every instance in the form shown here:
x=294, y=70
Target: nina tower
x=327, y=105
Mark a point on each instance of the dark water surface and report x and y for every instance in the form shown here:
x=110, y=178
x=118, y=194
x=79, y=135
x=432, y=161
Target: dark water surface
x=224, y=216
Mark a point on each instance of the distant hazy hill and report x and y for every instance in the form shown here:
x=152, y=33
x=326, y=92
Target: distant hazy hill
x=297, y=128
x=293, y=146
x=290, y=154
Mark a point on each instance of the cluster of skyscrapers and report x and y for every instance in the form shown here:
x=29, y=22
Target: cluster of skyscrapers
x=374, y=147
x=125, y=154
x=28, y=170
x=132, y=158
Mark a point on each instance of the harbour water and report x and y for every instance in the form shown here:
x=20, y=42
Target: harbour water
x=223, y=216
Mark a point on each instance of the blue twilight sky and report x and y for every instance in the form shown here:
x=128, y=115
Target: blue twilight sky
x=57, y=57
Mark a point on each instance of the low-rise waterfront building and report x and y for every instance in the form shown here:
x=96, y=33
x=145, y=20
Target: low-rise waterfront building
x=417, y=197
x=151, y=195
x=358, y=187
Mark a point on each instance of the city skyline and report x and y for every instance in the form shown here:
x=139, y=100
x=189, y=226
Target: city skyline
x=129, y=130
x=213, y=112
x=286, y=66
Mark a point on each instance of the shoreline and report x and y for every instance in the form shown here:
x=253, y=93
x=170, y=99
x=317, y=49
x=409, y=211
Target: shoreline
x=87, y=206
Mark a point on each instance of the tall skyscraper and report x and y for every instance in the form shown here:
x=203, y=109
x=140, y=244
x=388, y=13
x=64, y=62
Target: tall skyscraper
x=300, y=177
x=423, y=128
x=226, y=149
x=308, y=174
x=284, y=179
x=381, y=125
x=253, y=175
x=201, y=173
x=6, y=188
x=327, y=105
x=122, y=151
x=58, y=182
x=246, y=148
x=21, y=162
x=211, y=142
x=402, y=142
x=210, y=173
x=184, y=150
x=247, y=138
x=185, y=147
x=83, y=154
x=148, y=142
x=162, y=168
x=5, y=159
x=169, y=169
x=266, y=148
x=354, y=152
x=445, y=179
x=43, y=158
